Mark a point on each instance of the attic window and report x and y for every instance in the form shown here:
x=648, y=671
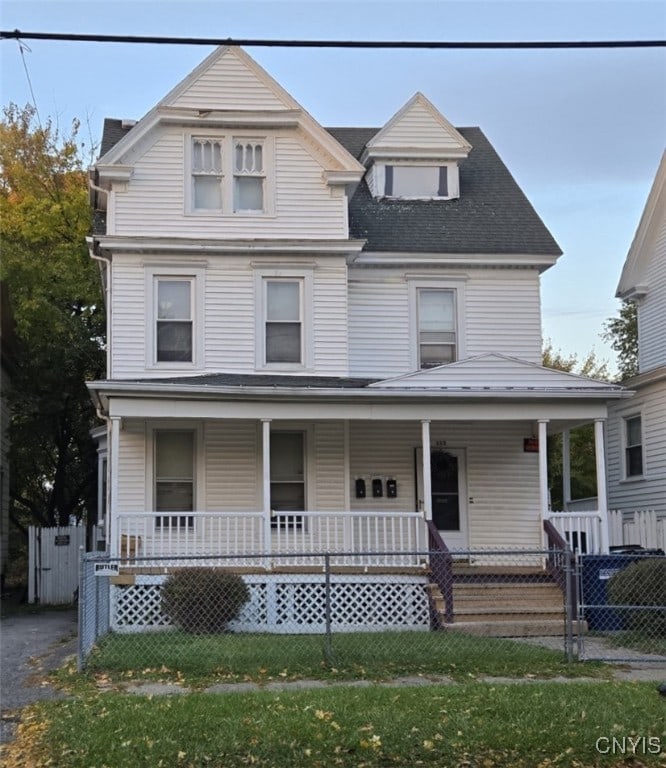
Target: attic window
x=419, y=181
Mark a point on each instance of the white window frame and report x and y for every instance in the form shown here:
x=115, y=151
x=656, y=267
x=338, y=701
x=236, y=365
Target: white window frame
x=457, y=285
x=624, y=423
x=198, y=469
x=195, y=276
x=452, y=179
x=304, y=278
x=228, y=176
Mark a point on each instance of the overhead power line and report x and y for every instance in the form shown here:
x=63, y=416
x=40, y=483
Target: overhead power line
x=17, y=34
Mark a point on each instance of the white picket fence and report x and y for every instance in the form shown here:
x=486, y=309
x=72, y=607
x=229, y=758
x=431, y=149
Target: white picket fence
x=53, y=562
x=643, y=527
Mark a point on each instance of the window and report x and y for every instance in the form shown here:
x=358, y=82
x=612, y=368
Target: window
x=633, y=450
x=173, y=333
x=287, y=478
x=248, y=176
x=174, y=478
x=416, y=181
x=206, y=174
x=283, y=335
x=436, y=318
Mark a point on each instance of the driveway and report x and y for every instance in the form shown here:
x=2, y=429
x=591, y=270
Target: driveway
x=31, y=645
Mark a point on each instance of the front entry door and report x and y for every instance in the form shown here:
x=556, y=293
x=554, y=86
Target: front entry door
x=448, y=486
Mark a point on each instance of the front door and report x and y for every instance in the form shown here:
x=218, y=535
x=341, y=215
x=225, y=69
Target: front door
x=448, y=487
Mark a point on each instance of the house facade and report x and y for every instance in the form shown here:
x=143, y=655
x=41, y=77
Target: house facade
x=637, y=428
x=321, y=340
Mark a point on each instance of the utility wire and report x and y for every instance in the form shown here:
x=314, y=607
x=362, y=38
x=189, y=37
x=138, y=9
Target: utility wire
x=23, y=48
x=16, y=34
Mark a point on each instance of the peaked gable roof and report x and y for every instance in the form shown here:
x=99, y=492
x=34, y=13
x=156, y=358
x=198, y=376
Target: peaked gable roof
x=494, y=372
x=631, y=283
x=418, y=129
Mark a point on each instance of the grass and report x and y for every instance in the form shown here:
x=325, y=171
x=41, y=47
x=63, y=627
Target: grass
x=476, y=725
x=199, y=659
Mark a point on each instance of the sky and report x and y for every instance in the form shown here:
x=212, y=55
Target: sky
x=581, y=131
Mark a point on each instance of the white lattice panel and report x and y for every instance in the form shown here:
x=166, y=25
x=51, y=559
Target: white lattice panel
x=296, y=604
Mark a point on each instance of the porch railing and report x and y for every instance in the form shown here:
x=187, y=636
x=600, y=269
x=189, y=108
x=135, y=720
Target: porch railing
x=580, y=530
x=395, y=537
x=642, y=527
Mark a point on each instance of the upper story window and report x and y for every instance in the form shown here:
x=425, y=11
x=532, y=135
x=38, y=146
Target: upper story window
x=173, y=335
x=416, y=181
x=436, y=318
x=206, y=174
x=633, y=446
x=284, y=323
x=248, y=176
x=230, y=175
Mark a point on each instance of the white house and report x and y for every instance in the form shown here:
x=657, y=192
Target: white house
x=321, y=339
x=637, y=428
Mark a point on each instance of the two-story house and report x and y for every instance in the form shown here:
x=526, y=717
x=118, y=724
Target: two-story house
x=637, y=429
x=321, y=340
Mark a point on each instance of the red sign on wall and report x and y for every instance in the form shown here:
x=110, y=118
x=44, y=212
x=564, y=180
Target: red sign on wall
x=531, y=445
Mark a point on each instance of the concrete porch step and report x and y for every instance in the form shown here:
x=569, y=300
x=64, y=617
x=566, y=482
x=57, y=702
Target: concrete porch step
x=509, y=628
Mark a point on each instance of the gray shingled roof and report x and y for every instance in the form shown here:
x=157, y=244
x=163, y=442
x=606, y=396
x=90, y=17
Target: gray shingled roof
x=492, y=215
x=261, y=380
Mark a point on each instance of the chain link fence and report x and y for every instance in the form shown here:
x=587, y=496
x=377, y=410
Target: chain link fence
x=256, y=617
x=623, y=604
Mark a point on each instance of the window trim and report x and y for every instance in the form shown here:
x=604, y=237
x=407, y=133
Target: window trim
x=304, y=277
x=415, y=285
x=195, y=276
x=625, y=419
x=228, y=176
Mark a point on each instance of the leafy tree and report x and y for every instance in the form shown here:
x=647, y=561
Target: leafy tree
x=621, y=333
x=581, y=443
x=55, y=294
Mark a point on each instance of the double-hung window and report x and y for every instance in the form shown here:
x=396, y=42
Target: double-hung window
x=248, y=176
x=633, y=446
x=174, y=478
x=287, y=456
x=283, y=341
x=174, y=319
x=436, y=319
x=207, y=174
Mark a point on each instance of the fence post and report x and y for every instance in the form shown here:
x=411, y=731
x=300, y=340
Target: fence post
x=81, y=608
x=569, y=607
x=328, y=650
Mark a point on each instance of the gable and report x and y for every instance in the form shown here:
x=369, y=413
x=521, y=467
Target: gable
x=495, y=372
x=418, y=129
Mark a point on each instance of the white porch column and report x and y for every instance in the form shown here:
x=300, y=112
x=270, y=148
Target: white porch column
x=543, y=470
x=427, y=480
x=602, y=500
x=266, y=481
x=114, y=451
x=566, y=469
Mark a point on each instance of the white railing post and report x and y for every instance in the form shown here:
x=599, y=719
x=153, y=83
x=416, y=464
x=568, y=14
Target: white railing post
x=601, y=481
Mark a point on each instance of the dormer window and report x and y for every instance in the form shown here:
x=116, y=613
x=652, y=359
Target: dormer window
x=416, y=181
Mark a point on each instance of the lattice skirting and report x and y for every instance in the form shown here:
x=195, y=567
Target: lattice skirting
x=292, y=604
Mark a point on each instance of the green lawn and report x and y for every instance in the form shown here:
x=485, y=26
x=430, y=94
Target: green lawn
x=204, y=658
x=474, y=725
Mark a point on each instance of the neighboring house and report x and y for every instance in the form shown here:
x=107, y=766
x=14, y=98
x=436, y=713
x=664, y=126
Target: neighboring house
x=321, y=340
x=637, y=429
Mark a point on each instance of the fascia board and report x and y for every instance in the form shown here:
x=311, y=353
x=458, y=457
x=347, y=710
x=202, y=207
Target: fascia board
x=398, y=258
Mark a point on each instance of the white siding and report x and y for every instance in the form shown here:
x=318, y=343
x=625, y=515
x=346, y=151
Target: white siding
x=154, y=201
x=652, y=310
x=329, y=455
x=501, y=314
x=502, y=480
x=229, y=313
x=417, y=127
x=132, y=491
x=649, y=492
x=233, y=466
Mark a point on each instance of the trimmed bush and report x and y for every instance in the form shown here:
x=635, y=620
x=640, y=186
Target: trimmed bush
x=642, y=583
x=203, y=600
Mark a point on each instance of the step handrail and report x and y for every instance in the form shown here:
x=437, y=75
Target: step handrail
x=441, y=566
x=560, y=552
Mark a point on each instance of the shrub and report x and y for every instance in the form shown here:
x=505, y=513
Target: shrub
x=203, y=600
x=642, y=583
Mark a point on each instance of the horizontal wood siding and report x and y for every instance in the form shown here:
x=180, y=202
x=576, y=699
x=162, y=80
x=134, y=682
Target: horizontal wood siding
x=650, y=491
x=233, y=466
x=329, y=455
x=418, y=128
x=132, y=492
x=502, y=314
x=502, y=480
x=154, y=201
x=652, y=310
x=330, y=319
x=226, y=85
